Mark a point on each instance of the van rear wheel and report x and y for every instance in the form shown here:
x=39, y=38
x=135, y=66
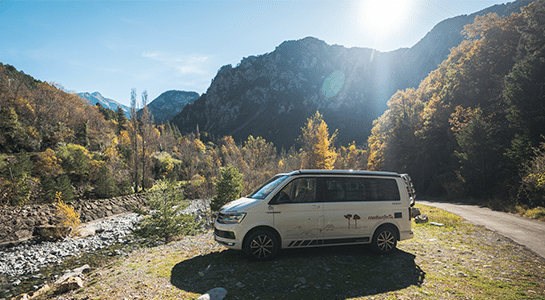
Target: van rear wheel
x=261, y=245
x=384, y=240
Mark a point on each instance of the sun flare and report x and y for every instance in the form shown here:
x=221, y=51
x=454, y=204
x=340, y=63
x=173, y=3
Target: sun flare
x=384, y=16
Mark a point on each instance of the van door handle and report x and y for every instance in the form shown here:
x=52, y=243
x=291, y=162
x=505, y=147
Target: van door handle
x=315, y=206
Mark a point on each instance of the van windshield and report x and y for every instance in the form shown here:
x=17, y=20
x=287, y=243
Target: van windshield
x=264, y=191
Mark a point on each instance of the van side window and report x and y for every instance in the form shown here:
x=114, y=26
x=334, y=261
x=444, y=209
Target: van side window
x=350, y=189
x=301, y=190
x=381, y=189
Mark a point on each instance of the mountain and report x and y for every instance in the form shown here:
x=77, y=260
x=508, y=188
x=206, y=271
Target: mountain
x=96, y=97
x=272, y=95
x=169, y=104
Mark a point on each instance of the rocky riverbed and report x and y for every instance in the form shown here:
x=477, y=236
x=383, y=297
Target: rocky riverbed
x=31, y=256
x=25, y=261
x=29, y=264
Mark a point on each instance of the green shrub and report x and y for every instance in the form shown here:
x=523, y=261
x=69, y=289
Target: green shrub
x=165, y=219
x=228, y=187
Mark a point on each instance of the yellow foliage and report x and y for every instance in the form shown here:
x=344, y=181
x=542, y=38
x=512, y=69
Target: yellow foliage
x=70, y=218
x=198, y=146
x=124, y=138
x=47, y=163
x=317, y=144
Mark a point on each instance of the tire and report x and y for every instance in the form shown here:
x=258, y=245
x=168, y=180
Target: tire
x=261, y=245
x=384, y=240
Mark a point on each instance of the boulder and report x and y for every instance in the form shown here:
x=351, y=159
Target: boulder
x=214, y=294
x=23, y=234
x=69, y=284
x=74, y=273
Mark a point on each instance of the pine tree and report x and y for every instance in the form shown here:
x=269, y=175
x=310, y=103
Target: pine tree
x=165, y=219
x=48, y=188
x=105, y=184
x=64, y=185
x=228, y=187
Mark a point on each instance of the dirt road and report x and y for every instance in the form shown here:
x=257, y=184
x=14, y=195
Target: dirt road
x=521, y=230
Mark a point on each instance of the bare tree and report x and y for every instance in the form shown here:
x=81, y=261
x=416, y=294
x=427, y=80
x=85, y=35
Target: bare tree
x=134, y=137
x=146, y=133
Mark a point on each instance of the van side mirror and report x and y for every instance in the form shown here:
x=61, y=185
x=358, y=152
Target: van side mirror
x=282, y=197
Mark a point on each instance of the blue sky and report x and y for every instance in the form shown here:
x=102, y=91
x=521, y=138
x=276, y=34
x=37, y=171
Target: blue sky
x=113, y=46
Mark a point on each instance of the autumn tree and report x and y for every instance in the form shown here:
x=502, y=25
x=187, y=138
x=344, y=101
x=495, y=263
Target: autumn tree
x=47, y=164
x=260, y=158
x=532, y=190
x=524, y=91
x=318, y=144
x=477, y=155
x=351, y=157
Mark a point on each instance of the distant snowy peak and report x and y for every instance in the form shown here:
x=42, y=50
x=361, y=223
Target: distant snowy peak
x=96, y=97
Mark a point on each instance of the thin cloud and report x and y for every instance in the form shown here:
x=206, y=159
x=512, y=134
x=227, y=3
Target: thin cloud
x=183, y=64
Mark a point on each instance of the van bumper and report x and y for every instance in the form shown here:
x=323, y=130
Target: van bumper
x=405, y=235
x=227, y=238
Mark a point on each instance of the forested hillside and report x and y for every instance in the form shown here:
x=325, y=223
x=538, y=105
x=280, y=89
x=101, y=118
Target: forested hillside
x=53, y=147
x=474, y=125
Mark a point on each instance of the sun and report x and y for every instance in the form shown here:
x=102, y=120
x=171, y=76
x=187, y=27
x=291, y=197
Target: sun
x=382, y=17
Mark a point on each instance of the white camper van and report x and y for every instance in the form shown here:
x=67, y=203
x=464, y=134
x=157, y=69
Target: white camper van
x=313, y=208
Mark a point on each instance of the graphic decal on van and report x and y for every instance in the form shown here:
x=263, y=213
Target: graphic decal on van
x=385, y=217
x=355, y=217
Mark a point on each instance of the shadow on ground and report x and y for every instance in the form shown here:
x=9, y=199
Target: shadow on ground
x=312, y=273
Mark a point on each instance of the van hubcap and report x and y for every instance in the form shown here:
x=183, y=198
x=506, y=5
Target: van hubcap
x=386, y=241
x=262, y=246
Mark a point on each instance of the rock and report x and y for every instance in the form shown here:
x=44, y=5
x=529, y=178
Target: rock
x=75, y=273
x=302, y=280
x=421, y=219
x=22, y=297
x=44, y=289
x=23, y=234
x=86, y=231
x=70, y=284
x=214, y=294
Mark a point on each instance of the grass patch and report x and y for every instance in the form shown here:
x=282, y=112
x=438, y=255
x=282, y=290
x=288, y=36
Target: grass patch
x=536, y=213
x=455, y=261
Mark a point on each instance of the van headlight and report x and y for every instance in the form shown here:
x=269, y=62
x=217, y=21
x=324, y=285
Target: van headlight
x=231, y=218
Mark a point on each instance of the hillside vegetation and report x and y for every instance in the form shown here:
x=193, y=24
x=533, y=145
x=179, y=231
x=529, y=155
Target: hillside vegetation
x=474, y=127
x=52, y=143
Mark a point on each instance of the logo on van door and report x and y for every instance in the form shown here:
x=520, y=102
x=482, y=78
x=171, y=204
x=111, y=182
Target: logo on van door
x=385, y=217
x=349, y=217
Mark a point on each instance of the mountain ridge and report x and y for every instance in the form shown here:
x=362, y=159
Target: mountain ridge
x=96, y=97
x=271, y=95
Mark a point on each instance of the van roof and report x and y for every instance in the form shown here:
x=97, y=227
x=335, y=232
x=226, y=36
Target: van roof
x=341, y=172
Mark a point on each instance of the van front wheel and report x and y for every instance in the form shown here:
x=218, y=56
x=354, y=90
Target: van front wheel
x=261, y=245
x=384, y=240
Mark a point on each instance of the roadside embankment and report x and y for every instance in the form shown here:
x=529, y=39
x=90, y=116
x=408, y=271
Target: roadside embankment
x=19, y=224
